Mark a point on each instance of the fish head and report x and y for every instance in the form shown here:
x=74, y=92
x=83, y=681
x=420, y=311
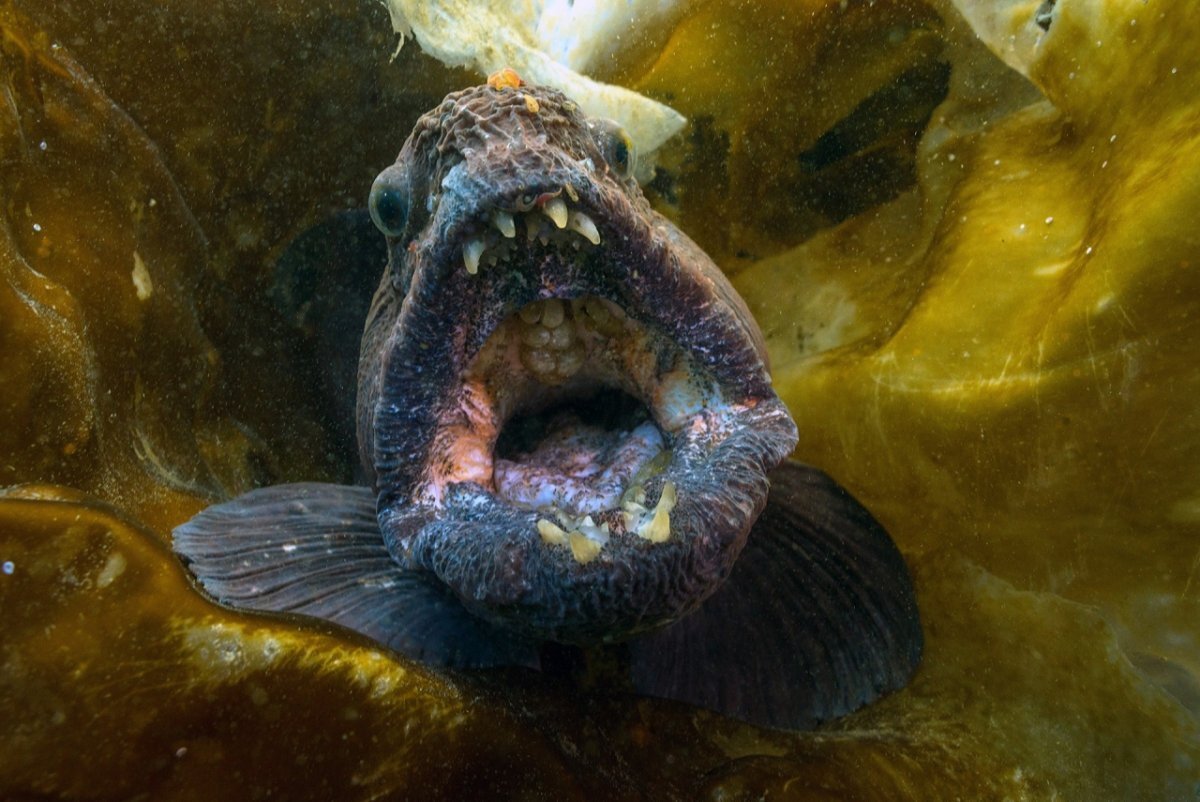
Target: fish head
x=565, y=407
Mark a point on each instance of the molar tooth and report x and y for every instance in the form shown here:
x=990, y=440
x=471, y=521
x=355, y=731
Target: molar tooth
x=596, y=310
x=569, y=362
x=556, y=210
x=583, y=224
x=552, y=313
x=471, y=253
x=504, y=221
x=561, y=337
x=538, y=361
x=537, y=336
x=531, y=313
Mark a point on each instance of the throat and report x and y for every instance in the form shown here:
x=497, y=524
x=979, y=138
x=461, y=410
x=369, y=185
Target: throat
x=583, y=456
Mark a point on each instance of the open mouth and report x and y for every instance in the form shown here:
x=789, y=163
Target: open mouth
x=577, y=404
x=585, y=406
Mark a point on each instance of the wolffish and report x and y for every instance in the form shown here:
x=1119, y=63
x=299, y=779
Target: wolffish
x=567, y=422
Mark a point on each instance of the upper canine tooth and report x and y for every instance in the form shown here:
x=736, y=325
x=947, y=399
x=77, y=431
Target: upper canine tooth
x=471, y=253
x=583, y=224
x=556, y=210
x=504, y=221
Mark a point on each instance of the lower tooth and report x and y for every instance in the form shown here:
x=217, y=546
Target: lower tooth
x=551, y=533
x=658, y=528
x=583, y=549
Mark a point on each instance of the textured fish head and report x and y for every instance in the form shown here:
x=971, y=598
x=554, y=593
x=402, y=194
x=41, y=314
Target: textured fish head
x=565, y=406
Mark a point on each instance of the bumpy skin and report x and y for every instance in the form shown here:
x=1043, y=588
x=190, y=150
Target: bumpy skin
x=486, y=148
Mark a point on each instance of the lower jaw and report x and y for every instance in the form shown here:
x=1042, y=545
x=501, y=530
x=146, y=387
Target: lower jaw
x=522, y=569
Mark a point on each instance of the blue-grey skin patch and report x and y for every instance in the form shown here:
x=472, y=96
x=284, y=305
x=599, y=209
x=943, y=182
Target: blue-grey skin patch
x=569, y=431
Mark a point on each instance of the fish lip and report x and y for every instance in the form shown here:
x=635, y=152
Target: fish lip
x=476, y=540
x=448, y=314
x=488, y=551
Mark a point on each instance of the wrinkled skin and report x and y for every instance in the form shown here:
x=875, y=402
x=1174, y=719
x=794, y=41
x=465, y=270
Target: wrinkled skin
x=485, y=149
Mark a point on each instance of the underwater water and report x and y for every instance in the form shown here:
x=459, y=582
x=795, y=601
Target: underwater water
x=966, y=229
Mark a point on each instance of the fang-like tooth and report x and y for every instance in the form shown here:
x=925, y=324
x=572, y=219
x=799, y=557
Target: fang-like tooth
x=504, y=221
x=658, y=528
x=471, y=253
x=551, y=533
x=556, y=210
x=583, y=224
x=583, y=549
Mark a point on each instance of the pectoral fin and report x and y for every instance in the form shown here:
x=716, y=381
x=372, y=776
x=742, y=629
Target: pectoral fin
x=316, y=549
x=817, y=618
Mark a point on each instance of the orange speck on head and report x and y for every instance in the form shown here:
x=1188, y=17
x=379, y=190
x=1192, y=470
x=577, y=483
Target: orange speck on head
x=506, y=78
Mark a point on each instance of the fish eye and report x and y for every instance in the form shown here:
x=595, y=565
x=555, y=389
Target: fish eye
x=616, y=146
x=388, y=204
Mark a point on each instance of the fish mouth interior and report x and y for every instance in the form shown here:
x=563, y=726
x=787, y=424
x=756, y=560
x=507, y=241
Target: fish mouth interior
x=570, y=389
x=582, y=455
x=572, y=409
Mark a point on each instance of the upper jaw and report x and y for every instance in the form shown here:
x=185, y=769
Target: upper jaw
x=449, y=313
x=495, y=555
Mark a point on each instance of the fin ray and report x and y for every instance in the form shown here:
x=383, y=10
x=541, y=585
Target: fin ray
x=316, y=549
x=817, y=618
